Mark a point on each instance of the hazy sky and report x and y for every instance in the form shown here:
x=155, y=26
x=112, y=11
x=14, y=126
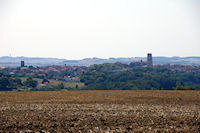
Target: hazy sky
x=76, y=29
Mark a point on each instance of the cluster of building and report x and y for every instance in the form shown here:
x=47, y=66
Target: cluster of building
x=70, y=72
x=178, y=67
x=147, y=63
x=54, y=72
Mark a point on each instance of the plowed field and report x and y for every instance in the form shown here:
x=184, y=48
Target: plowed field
x=100, y=111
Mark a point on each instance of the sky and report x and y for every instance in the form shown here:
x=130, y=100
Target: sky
x=77, y=29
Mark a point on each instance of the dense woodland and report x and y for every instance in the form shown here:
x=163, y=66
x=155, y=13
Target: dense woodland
x=123, y=77
x=108, y=76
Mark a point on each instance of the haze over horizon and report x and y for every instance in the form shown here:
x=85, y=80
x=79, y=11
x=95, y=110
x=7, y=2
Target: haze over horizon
x=103, y=29
x=28, y=57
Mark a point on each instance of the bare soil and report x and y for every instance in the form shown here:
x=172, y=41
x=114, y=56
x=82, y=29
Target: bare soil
x=100, y=111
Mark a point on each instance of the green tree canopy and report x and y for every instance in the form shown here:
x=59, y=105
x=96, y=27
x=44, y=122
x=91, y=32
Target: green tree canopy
x=30, y=83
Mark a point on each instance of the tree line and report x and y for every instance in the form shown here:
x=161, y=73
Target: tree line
x=115, y=76
x=123, y=77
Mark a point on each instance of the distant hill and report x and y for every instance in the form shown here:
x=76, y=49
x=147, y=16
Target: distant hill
x=7, y=61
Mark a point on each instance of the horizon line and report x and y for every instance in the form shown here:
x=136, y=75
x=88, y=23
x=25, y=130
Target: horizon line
x=95, y=57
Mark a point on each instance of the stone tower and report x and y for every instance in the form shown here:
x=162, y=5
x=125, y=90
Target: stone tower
x=149, y=60
x=22, y=63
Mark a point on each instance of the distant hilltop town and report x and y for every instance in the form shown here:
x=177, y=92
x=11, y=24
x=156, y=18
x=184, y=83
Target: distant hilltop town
x=60, y=76
x=7, y=61
x=148, y=62
x=69, y=73
x=76, y=69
